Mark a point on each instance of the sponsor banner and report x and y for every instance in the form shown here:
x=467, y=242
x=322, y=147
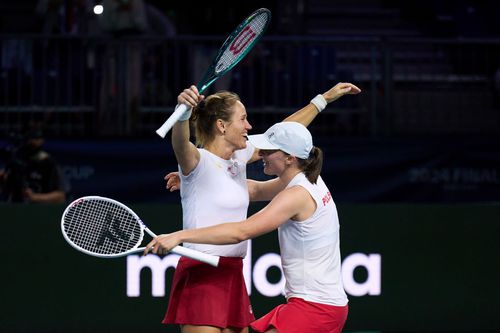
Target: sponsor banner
x=420, y=268
x=256, y=274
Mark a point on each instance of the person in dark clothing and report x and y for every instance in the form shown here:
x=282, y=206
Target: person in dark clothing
x=31, y=174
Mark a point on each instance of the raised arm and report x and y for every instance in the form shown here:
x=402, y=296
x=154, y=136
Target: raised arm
x=307, y=114
x=185, y=151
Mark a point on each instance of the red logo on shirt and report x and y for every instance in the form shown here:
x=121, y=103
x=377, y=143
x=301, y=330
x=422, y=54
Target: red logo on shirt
x=327, y=198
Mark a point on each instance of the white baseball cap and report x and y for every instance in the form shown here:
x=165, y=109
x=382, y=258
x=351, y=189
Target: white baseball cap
x=291, y=137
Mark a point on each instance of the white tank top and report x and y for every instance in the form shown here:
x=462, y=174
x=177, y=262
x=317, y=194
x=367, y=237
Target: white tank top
x=216, y=192
x=310, y=250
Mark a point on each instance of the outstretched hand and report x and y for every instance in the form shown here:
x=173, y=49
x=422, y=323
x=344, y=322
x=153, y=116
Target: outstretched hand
x=339, y=90
x=173, y=181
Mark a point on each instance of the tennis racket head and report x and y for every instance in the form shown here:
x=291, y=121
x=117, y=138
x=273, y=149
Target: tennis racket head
x=101, y=227
x=237, y=46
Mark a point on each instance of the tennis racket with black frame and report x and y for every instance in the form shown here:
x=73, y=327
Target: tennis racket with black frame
x=103, y=227
x=235, y=48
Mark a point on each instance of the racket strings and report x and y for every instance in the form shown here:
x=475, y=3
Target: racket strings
x=102, y=227
x=242, y=42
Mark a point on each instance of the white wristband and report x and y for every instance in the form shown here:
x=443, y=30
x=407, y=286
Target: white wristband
x=319, y=102
x=186, y=115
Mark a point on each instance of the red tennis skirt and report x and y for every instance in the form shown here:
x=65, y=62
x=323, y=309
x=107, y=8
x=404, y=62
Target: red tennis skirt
x=204, y=295
x=299, y=316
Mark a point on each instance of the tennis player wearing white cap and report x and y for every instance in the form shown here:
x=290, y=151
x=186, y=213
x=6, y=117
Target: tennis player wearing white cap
x=214, y=189
x=308, y=228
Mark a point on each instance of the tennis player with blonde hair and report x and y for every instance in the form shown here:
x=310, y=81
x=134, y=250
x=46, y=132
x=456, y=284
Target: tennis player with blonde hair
x=214, y=190
x=308, y=228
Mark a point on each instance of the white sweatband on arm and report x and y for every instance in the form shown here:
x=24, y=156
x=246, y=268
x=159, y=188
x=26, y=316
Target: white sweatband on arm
x=186, y=115
x=319, y=102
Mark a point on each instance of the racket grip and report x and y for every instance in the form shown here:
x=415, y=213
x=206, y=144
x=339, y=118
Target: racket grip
x=193, y=254
x=167, y=125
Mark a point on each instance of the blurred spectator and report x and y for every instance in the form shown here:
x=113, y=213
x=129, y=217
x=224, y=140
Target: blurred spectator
x=16, y=54
x=16, y=69
x=68, y=60
x=158, y=59
x=30, y=173
x=158, y=23
x=121, y=18
x=496, y=92
x=66, y=17
x=124, y=17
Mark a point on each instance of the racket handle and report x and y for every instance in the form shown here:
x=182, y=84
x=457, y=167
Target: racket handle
x=167, y=125
x=185, y=252
x=193, y=254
